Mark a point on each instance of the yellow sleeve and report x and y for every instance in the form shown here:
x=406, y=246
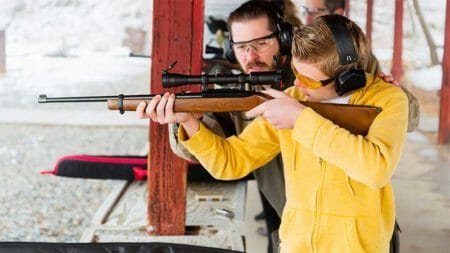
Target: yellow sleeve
x=236, y=156
x=368, y=159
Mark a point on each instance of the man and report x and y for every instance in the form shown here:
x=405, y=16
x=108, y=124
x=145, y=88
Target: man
x=339, y=195
x=260, y=41
x=316, y=8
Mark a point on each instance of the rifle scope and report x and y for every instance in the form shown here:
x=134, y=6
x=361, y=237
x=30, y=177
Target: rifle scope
x=254, y=78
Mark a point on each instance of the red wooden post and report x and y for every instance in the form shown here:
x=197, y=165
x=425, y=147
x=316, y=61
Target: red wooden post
x=397, y=69
x=369, y=18
x=2, y=53
x=444, y=117
x=347, y=8
x=177, y=35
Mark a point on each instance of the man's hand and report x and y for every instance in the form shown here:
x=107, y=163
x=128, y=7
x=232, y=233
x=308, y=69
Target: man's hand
x=281, y=112
x=389, y=79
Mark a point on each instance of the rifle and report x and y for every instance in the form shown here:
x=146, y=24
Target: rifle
x=355, y=118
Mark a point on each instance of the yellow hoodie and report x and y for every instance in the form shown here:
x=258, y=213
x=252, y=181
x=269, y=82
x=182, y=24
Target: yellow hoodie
x=338, y=190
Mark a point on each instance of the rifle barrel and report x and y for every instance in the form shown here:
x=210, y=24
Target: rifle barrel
x=211, y=93
x=44, y=99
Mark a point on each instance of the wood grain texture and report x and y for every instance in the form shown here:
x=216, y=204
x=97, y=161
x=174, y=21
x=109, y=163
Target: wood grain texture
x=177, y=36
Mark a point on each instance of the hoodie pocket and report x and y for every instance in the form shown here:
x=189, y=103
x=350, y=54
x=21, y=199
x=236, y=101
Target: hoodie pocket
x=351, y=232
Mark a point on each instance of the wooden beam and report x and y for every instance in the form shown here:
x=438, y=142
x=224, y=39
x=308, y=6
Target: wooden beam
x=369, y=19
x=177, y=36
x=444, y=115
x=397, y=69
x=2, y=52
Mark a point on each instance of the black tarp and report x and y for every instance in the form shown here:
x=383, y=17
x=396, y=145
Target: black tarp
x=47, y=247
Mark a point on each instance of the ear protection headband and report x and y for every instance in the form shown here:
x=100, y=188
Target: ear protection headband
x=351, y=79
x=284, y=32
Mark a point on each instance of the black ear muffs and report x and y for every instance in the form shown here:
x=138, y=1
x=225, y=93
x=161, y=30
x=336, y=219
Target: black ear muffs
x=284, y=35
x=354, y=78
x=350, y=80
x=228, y=51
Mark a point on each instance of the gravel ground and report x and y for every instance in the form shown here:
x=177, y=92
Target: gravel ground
x=39, y=207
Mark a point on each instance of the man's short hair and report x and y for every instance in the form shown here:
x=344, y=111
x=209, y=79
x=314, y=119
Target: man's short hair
x=333, y=5
x=255, y=9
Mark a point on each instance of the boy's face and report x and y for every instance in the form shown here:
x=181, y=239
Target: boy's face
x=254, y=44
x=307, y=77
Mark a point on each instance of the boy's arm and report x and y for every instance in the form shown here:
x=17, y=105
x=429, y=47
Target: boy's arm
x=369, y=159
x=236, y=156
x=178, y=149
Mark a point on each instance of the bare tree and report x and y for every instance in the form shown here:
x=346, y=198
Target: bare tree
x=431, y=45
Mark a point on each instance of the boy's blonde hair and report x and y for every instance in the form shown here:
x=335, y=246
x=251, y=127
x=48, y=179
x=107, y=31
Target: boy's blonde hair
x=314, y=43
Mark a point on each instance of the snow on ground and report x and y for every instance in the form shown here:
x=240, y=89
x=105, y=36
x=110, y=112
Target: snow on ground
x=71, y=48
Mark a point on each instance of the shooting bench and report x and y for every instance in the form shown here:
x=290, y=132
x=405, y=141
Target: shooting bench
x=214, y=216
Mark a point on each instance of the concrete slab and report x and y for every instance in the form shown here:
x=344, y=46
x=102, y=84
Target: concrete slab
x=422, y=186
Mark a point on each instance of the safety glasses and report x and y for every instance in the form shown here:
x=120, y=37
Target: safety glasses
x=259, y=45
x=308, y=82
x=313, y=11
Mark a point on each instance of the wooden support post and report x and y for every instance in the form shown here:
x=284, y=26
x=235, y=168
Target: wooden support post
x=2, y=53
x=444, y=115
x=397, y=69
x=177, y=36
x=369, y=19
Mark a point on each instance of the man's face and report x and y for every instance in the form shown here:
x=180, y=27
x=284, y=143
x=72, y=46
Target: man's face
x=254, y=45
x=307, y=77
x=312, y=9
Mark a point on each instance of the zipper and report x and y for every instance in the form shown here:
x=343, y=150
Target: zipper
x=318, y=204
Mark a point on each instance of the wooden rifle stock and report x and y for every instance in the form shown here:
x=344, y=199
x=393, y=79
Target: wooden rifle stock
x=355, y=118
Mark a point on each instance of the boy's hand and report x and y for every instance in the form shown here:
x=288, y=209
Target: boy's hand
x=160, y=109
x=281, y=112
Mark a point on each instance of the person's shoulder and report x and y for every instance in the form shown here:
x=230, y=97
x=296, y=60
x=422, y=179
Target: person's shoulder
x=377, y=91
x=295, y=92
x=380, y=86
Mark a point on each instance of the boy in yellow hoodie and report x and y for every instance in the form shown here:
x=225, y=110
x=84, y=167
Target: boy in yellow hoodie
x=338, y=190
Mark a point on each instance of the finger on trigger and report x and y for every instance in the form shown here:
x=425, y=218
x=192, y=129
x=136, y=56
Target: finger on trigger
x=259, y=110
x=274, y=93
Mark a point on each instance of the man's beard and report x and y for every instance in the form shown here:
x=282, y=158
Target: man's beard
x=256, y=63
x=259, y=64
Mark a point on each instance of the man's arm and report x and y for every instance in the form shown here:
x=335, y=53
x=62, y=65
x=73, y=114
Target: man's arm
x=373, y=66
x=414, y=111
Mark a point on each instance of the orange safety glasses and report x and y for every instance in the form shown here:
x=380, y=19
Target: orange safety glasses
x=308, y=82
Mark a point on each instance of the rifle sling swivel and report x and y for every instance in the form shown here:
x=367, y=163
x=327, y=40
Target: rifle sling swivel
x=120, y=103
